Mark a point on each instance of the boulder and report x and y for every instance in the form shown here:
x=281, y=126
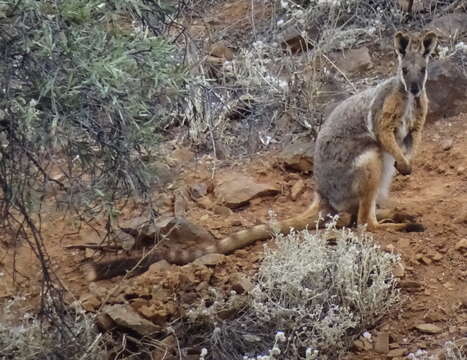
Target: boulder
x=446, y=88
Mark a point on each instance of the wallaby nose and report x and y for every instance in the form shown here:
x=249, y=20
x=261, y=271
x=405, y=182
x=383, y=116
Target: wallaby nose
x=414, y=89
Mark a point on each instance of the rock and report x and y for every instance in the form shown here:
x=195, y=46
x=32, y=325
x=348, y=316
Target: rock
x=180, y=203
x=436, y=256
x=198, y=190
x=240, y=283
x=104, y=322
x=449, y=25
x=181, y=230
x=292, y=40
x=298, y=155
x=390, y=248
x=210, y=259
x=159, y=266
x=222, y=210
x=182, y=155
x=297, y=189
x=428, y=328
x=164, y=174
x=166, y=349
x=446, y=86
x=417, y=5
x=411, y=285
x=396, y=353
x=237, y=190
x=447, y=144
x=89, y=302
x=223, y=50
x=399, y=270
x=382, y=343
x=205, y=202
x=461, y=245
x=126, y=317
x=358, y=345
x=354, y=60
x=141, y=229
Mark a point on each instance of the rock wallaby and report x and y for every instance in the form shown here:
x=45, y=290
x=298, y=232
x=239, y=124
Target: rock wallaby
x=363, y=142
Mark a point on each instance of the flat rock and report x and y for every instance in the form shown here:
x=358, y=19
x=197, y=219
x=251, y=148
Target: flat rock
x=428, y=328
x=298, y=155
x=445, y=86
x=237, y=190
x=125, y=316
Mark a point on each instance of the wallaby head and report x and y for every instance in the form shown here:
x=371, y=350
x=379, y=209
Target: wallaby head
x=413, y=52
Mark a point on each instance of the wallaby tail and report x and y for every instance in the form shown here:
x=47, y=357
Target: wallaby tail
x=136, y=265
x=260, y=232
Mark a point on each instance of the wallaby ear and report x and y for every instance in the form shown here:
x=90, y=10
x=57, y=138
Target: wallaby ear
x=401, y=42
x=429, y=43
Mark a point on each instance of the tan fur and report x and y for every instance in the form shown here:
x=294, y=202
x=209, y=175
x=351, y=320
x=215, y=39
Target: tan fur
x=354, y=159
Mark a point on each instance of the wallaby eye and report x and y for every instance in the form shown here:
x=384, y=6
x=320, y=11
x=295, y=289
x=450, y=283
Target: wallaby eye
x=423, y=69
x=404, y=71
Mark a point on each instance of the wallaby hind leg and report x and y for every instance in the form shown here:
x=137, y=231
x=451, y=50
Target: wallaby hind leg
x=370, y=167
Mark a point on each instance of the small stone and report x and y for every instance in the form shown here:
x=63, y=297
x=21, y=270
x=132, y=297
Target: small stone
x=198, y=190
x=204, y=218
x=222, y=210
x=205, y=202
x=222, y=50
x=428, y=328
x=159, y=266
x=126, y=317
x=390, y=248
x=382, y=343
x=426, y=260
x=396, y=353
x=210, y=259
x=240, y=283
x=460, y=170
x=88, y=253
x=461, y=244
x=399, y=270
x=358, y=345
x=89, y=302
x=447, y=144
x=436, y=256
x=104, y=322
x=180, y=203
x=297, y=189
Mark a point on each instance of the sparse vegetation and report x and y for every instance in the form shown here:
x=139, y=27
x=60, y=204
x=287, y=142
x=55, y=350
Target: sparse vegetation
x=321, y=290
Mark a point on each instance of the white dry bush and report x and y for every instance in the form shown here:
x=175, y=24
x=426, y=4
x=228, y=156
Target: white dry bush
x=29, y=338
x=320, y=289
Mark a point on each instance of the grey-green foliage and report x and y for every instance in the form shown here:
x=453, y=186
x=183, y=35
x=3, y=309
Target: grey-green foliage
x=89, y=84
